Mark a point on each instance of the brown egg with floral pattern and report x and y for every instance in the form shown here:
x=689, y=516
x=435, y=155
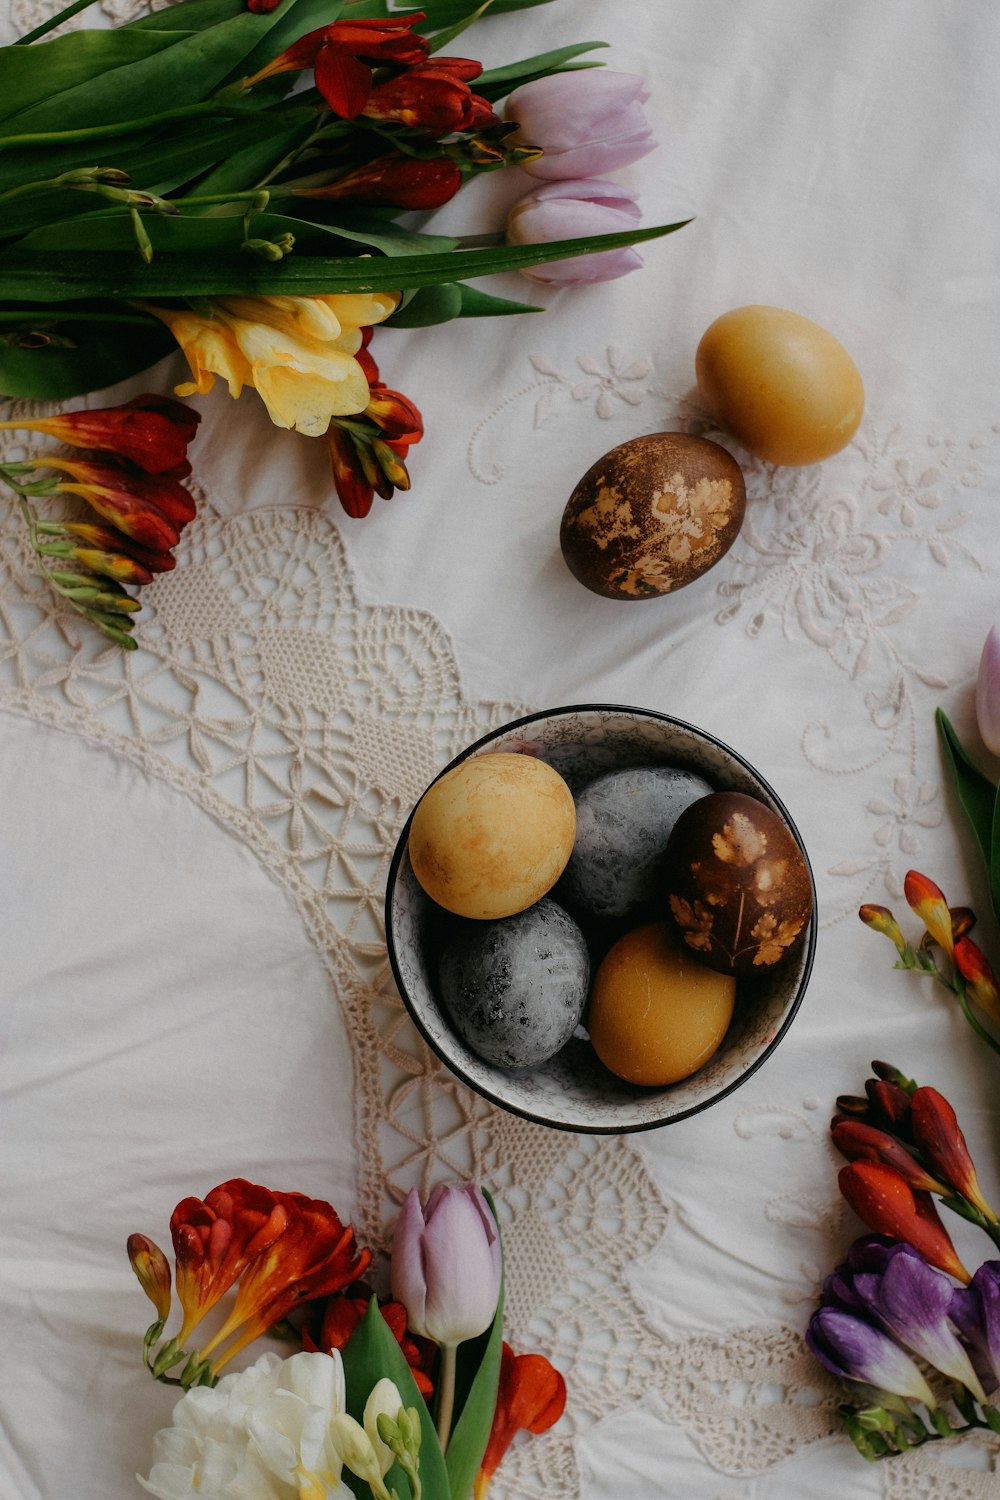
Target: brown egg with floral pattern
x=652, y=515
x=739, y=892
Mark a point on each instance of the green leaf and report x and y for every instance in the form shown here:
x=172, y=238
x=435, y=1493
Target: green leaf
x=186, y=72
x=477, y=304
x=371, y=1354
x=440, y=13
x=431, y=304
x=501, y=81
x=189, y=15
x=244, y=169
x=101, y=354
x=445, y=38
x=472, y=1430
x=976, y=792
x=32, y=74
x=58, y=276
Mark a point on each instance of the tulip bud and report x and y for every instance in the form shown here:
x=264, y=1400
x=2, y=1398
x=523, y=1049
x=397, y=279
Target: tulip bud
x=988, y=692
x=583, y=124
x=446, y=1263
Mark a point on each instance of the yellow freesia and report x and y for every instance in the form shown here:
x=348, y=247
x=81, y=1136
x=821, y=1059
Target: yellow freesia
x=296, y=352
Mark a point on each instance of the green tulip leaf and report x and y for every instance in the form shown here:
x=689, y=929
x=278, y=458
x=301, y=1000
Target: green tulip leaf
x=472, y=1430
x=979, y=799
x=188, y=71
x=29, y=75
x=427, y=306
x=189, y=15
x=496, y=83
x=59, y=276
x=441, y=13
x=478, y=304
x=85, y=355
x=370, y=1355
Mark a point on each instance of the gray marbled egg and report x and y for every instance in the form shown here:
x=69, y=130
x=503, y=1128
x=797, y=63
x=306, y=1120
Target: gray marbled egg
x=623, y=822
x=515, y=989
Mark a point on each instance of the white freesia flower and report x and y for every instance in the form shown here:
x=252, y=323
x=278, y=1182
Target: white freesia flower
x=262, y=1434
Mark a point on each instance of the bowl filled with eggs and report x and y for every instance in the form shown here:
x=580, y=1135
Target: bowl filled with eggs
x=601, y=918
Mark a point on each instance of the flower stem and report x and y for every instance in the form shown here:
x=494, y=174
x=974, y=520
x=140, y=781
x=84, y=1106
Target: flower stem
x=123, y=127
x=446, y=1394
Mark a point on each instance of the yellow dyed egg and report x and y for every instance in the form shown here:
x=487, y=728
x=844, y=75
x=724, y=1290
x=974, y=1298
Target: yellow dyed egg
x=780, y=384
x=656, y=1013
x=492, y=836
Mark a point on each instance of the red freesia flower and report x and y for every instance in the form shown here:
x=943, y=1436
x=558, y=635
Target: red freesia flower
x=121, y=550
x=531, y=1396
x=888, y=1205
x=859, y=1141
x=368, y=453
x=151, y=1267
x=434, y=97
x=397, y=179
x=342, y=53
x=216, y=1239
x=890, y=1103
x=315, y=1254
x=150, y=431
x=928, y=902
x=343, y=1312
x=980, y=981
x=937, y=1133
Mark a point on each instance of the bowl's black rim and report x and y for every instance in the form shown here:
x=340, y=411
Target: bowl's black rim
x=485, y=1093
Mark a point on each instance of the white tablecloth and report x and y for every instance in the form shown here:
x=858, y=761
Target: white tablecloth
x=195, y=837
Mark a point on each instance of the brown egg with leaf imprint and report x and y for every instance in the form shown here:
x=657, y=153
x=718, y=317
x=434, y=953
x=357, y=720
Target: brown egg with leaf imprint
x=739, y=891
x=652, y=515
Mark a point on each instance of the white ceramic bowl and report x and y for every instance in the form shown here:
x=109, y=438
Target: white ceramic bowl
x=573, y=1090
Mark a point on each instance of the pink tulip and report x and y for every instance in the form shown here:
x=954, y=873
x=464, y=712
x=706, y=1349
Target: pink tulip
x=569, y=210
x=988, y=692
x=585, y=122
x=446, y=1263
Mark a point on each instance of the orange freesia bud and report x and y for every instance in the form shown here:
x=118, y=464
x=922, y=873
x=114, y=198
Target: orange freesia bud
x=402, y=181
x=215, y=1240
x=395, y=414
x=881, y=919
x=353, y=490
x=150, y=431
x=153, y=1270
x=928, y=902
x=937, y=1133
x=531, y=1396
x=315, y=1255
x=980, y=981
x=888, y=1205
x=112, y=565
x=861, y=1142
x=107, y=539
x=890, y=1103
x=963, y=919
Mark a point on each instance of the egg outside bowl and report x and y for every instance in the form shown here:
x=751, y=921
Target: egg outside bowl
x=573, y=1090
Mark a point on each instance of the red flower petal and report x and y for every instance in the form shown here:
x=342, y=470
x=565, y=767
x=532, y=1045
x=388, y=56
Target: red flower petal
x=888, y=1205
x=343, y=80
x=531, y=1396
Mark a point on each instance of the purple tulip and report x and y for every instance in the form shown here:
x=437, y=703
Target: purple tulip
x=446, y=1263
x=852, y=1349
x=584, y=122
x=566, y=211
x=975, y=1312
x=988, y=692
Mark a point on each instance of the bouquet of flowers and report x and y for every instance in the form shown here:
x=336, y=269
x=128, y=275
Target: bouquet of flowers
x=350, y=1413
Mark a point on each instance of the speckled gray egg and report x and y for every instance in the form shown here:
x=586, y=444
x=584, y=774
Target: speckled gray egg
x=515, y=989
x=623, y=822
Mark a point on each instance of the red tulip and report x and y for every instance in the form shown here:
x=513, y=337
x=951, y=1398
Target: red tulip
x=888, y=1205
x=531, y=1396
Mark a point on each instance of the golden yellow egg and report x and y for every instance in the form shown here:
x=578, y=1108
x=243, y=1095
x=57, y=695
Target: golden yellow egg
x=781, y=384
x=492, y=835
x=656, y=1013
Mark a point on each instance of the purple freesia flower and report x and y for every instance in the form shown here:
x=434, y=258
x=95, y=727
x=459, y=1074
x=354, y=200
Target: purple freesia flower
x=975, y=1312
x=566, y=211
x=446, y=1263
x=584, y=122
x=853, y=1349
